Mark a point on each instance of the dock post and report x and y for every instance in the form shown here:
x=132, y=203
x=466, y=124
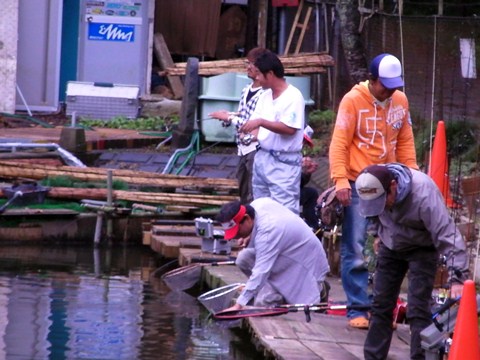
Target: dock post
x=98, y=228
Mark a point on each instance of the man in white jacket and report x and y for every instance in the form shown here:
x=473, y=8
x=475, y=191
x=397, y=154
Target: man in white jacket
x=285, y=261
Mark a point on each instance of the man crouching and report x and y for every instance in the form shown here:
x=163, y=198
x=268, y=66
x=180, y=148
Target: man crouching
x=284, y=260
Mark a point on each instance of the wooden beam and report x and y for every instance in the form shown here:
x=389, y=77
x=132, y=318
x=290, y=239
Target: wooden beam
x=262, y=23
x=166, y=61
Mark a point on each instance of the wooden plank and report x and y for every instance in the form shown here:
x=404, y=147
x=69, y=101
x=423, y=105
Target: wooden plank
x=471, y=194
x=189, y=255
x=166, y=61
x=325, y=337
x=294, y=28
x=40, y=212
x=333, y=350
x=216, y=276
x=262, y=23
x=178, y=230
x=169, y=246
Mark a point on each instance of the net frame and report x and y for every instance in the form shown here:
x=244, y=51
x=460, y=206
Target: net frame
x=220, y=298
x=187, y=276
x=183, y=278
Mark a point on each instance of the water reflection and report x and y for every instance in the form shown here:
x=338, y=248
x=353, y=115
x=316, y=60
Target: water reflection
x=84, y=303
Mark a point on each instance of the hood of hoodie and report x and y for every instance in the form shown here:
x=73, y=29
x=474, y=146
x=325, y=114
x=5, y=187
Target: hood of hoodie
x=362, y=88
x=403, y=176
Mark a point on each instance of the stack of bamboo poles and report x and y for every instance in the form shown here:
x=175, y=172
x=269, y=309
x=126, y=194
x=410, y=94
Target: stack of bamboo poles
x=306, y=63
x=10, y=170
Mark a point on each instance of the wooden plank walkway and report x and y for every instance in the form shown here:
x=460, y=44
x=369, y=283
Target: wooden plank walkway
x=291, y=337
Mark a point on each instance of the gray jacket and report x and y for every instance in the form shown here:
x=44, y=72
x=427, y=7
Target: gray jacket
x=420, y=218
x=288, y=255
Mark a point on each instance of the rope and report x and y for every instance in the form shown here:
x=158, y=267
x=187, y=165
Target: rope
x=400, y=24
x=434, y=60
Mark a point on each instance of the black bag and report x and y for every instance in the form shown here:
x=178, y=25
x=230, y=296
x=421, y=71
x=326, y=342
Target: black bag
x=329, y=209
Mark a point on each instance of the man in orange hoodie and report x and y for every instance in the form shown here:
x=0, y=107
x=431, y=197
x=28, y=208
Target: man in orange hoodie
x=373, y=126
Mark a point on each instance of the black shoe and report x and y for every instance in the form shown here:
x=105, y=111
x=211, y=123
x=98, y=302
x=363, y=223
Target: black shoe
x=325, y=291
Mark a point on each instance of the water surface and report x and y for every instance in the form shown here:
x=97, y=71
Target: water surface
x=86, y=303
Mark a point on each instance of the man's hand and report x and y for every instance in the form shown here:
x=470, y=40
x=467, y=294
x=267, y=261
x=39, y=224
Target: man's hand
x=308, y=165
x=456, y=290
x=220, y=115
x=234, y=308
x=344, y=196
x=251, y=126
x=243, y=242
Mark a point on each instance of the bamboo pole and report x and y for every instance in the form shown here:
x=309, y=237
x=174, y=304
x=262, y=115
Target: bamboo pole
x=200, y=200
x=38, y=172
x=303, y=63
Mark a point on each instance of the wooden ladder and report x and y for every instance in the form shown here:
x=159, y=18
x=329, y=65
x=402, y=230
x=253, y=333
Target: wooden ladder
x=299, y=24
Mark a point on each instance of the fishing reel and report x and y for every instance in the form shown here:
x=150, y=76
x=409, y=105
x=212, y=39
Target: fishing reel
x=247, y=139
x=233, y=118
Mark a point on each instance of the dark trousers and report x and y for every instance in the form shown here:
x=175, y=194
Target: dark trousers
x=244, y=177
x=308, y=201
x=420, y=266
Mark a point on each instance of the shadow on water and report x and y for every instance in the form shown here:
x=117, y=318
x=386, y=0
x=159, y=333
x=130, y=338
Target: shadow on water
x=86, y=303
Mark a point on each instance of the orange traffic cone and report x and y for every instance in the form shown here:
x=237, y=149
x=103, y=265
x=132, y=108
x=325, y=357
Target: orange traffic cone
x=465, y=335
x=438, y=169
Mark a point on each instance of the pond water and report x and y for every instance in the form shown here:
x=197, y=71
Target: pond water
x=86, y=303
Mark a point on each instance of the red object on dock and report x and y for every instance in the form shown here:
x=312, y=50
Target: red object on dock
x=438, y=169
x=465, y=335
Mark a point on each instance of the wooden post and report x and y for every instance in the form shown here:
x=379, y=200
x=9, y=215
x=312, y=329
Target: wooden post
x=166, y=61
x=181, y=136
x=440, y=7
x=262, y=22
x=109, y=203
x=98, y=228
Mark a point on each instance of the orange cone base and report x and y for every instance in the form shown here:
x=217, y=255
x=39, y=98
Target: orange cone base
x=465, y=344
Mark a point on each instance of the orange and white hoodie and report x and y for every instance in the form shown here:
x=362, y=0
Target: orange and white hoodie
x=369, y=132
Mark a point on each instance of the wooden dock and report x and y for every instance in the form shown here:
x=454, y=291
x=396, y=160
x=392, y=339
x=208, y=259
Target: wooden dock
x=289, y=336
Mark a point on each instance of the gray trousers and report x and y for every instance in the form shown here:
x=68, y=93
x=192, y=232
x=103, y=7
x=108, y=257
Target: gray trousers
x=268, y=295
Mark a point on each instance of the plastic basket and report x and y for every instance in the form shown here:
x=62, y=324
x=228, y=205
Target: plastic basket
x=220, y=298
x=32, y=194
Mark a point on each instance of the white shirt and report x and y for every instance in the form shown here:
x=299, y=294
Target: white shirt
x=288, y=108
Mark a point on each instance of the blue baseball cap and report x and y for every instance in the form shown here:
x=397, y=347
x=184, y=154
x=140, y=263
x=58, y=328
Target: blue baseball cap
x=388, y=70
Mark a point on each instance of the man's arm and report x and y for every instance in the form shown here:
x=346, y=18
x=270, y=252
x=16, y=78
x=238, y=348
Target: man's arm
x=445, y=235
x=274, y=126
x=266, y=254
x=339, y=151
x=405, y=147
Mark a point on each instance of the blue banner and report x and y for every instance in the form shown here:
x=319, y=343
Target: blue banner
x=111, y=32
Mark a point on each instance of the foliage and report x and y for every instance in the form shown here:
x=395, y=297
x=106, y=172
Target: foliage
x=460, y=137
x=142, y=124
x=67, y=181
x=462, y=148
x=48, y=204
x=322, y=122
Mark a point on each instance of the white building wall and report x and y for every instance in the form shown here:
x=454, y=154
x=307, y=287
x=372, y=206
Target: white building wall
x=8, y=55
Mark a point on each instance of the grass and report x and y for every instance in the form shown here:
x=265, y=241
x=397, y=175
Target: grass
x=156, y=123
